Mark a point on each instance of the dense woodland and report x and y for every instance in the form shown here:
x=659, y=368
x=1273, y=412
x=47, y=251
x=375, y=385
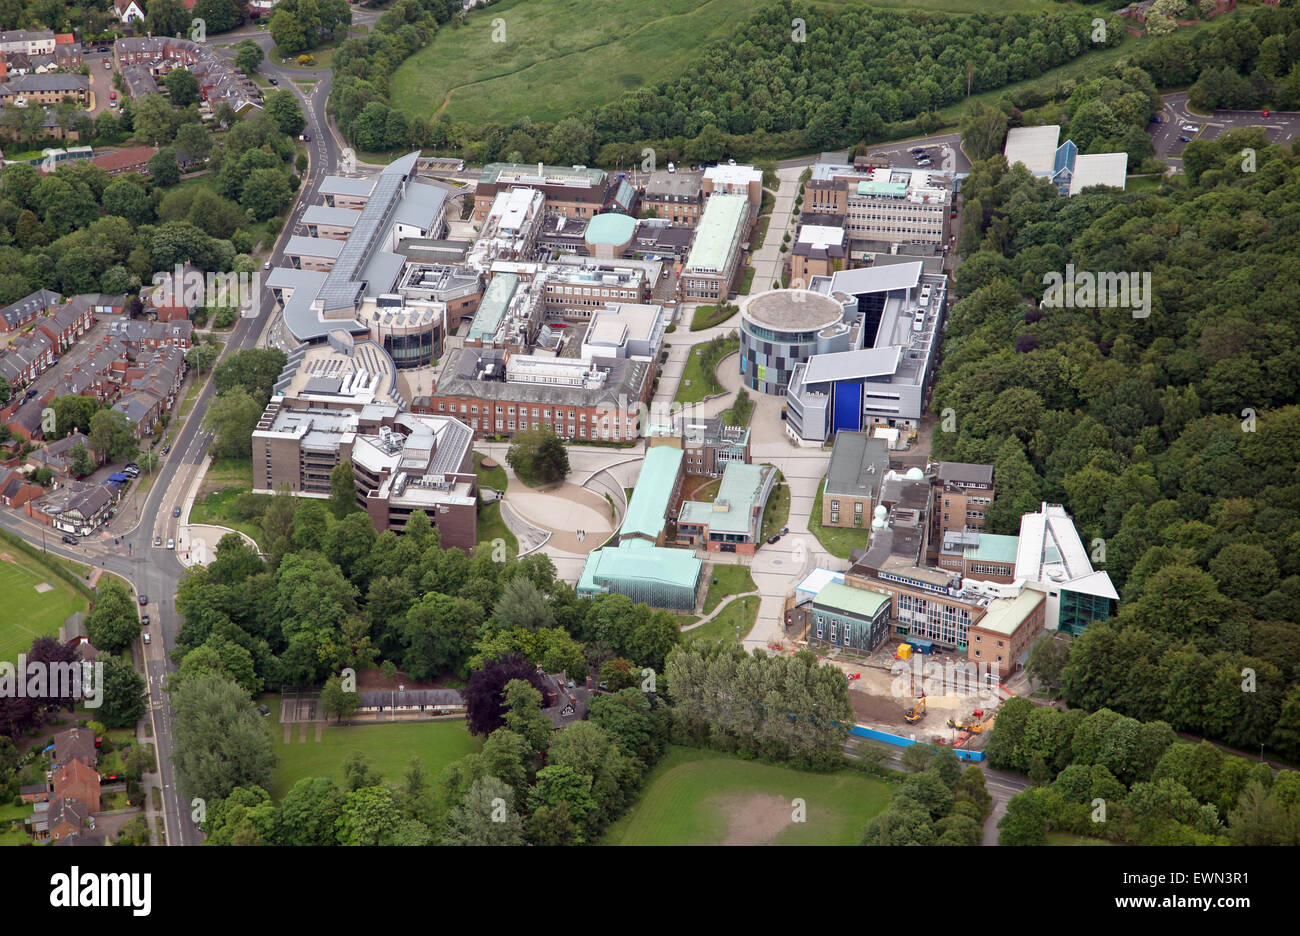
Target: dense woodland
x=1173, y=439
x=76, y=230
x=1104, y=775
x=857, y=74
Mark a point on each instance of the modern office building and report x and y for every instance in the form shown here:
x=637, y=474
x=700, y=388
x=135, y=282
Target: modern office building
x=354, y=291
x=882, y=373
x=781, y=329
x=882, y=206
x=745, y=181
x=625, y=330
x=1051, y=558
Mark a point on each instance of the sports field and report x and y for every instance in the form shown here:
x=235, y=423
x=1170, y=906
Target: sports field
x=548, y=51
x=696, y=797
x=25, y=613
x=389, y=747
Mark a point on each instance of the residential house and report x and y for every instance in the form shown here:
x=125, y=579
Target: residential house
x=68, y=322
x=77, y=507
x=25, y=310
x=16, y=490
x=46, y=89
x=75, y=744
x=129, y=10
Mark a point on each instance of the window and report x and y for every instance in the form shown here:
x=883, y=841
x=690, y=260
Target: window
x=819, y=632
x=835, y=631
x=835, y=505
x=857, y=507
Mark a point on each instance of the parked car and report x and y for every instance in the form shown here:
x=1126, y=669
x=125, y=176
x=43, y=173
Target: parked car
x=108, y=65
x=1184, y=139
x=171, y=543
x=1265, y=112
x=157, y=540
x=772, y=539
x=69, y=539
x=925, y=162
x=165, y=449
x=1191, y=128
x=784, y=530
x=176, y=511
x=271, y=79
x=144, y=600
x=146, y=638
x=144, y=620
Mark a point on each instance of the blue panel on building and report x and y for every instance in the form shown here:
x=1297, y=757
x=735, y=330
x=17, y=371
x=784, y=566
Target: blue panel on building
x=848, y=406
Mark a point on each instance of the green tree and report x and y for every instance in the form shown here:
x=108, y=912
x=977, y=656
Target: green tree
x=123, y=694
x=343, y=490
x=221, y=741
x=538, y=456
x=337, y=701
x=182, y=86
x=164, y=168
x=111, y=436
x=486, y=817
x=113, y=623
x=232, y=417
x=248, y=56
x=283, y=108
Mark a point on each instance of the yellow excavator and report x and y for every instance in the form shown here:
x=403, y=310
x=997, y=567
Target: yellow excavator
x=974, y=724
x=916, y=712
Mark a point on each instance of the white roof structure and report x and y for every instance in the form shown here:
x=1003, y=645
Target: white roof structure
x=1034, y=147
x=821, y=235
x=733, y=175
x=1050, y=552
x=1099, y=169
x=818, y=579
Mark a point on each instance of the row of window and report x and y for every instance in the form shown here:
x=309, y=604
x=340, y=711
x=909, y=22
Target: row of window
x=848, y=630
x=590, y=291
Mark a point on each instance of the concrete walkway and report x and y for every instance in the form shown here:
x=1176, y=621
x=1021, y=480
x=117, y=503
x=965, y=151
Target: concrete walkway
x=718, y=610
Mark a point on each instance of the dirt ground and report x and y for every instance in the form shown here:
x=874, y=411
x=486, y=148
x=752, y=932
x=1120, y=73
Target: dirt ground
x=373, y=679
x=755, y=820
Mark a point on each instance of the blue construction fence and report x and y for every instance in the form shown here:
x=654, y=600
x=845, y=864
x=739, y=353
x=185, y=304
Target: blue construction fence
x=900, y=741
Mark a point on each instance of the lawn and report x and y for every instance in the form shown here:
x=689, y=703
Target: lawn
x=27, y=613
x=738, y=613
x=759, y=234
x=835, y=540
x=727, y=580
x=492, y=527
x=706, y=316
x=697, y=381
x=536, y=68
x=389, y=747
x=746, y=281
x=215, y=507
x=490, y=477
x=696, y=797
x=15, y=835
x=777, y=512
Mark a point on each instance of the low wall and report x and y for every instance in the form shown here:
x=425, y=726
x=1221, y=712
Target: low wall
x=899, y=741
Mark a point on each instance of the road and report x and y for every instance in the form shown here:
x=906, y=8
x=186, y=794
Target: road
x=126, y=548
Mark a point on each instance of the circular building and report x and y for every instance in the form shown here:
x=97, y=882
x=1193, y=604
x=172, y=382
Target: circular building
x=609, y=235
x=784, y=327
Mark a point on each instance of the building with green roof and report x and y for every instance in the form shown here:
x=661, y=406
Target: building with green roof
x=849, y=618
x=711, y=265
x=492, y=308
x=609, y=235
x=657, y=491
x=733, y=520
x=659, y=576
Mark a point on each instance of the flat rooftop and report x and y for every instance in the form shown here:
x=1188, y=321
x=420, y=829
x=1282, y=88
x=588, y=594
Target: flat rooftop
x=1033, y=147
x=792, y=310
x=716, y=232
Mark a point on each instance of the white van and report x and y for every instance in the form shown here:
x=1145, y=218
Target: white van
x=672, y=168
